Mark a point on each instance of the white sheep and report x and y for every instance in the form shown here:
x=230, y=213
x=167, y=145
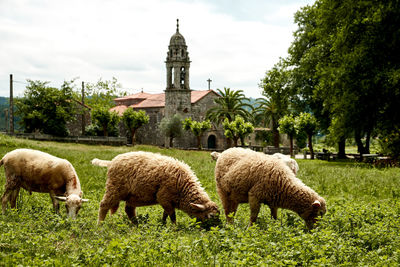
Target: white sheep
x=291, y=163
x=144, y=178
x=246, y=176
x=36, y=171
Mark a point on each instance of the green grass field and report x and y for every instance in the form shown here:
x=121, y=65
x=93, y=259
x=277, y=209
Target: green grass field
x=361, y=227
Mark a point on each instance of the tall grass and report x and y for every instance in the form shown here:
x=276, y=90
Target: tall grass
x=361, y=226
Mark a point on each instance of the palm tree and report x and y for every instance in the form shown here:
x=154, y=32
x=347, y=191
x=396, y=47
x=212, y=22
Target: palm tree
x=230, y=104
x=267, y=114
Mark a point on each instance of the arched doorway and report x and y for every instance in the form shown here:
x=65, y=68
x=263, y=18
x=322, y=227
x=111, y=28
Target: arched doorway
x=212, y=141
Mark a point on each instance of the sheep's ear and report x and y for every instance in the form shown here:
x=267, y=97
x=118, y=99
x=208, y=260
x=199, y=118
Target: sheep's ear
x=198, y=206
x=61, y=198
x=85, y=200
x=316, y=204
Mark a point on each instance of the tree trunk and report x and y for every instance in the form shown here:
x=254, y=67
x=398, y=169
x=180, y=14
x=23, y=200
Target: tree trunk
x=310, y=145
x=105, y=132
x=342, y=148
x=275, y=133
x=276, y=138
x=235, y=141
x=360, y=145
x=171, y=143
x=133, y=136
x=242, y=141
x=228, y=142
x=199, y=142
x=367, y=142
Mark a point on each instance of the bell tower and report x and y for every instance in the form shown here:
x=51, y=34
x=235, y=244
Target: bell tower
x=177, y=93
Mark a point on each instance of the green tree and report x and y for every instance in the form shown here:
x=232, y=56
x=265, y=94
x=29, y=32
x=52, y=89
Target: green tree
x=237, y=129
x=287, y=125
x=197, y=128
x=102, y=93
x=171, y=127
x=46, y=109
x=307, y=123
x=230, y=104
x=345, y=59
x=276, y=90
x=133, y=120
x=105, y=120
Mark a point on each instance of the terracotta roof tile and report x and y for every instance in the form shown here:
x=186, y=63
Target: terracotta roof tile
x=153, y=100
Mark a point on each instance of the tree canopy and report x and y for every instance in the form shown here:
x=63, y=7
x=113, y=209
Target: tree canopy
x=46, y=109
x=276, y=102
x=133, y=120
x=345, y=66
x=230, y=104
x=237, y=129
x=197, y=128
x=105, y=120
x=171, y=127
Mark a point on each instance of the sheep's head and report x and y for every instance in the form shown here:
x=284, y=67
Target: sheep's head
x=207, y=213
x=317, y=209
x=73, y=203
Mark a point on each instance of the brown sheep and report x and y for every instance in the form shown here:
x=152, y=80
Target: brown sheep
x=36, y=171
x=144, y=178
x=246, y=176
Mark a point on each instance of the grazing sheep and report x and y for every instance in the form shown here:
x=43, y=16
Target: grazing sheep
x=291, y=163
x=246, y=176
x=144, y=178
x=36, y=171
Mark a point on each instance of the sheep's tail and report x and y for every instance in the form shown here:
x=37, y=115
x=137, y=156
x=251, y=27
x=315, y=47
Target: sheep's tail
x=101, y=163
x=215, y=155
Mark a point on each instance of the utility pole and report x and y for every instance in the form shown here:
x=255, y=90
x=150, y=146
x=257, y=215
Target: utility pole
x=6, y=118
x=83, y=108
x=11, y=106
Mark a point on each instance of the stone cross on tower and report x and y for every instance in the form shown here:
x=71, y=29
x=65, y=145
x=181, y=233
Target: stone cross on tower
x=209, y=81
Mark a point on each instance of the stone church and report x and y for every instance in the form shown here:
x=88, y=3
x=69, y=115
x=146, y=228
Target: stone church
x=177, y=98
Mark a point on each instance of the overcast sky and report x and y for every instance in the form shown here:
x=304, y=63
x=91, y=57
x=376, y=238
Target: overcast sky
x=232, y=42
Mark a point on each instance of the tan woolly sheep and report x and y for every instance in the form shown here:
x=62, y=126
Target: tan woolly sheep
x=144, y=178
x=246, y=176
x=291, y=163
x=36, y=171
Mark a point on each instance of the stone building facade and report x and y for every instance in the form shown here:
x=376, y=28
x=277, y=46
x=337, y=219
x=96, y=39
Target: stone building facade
x=177, y=98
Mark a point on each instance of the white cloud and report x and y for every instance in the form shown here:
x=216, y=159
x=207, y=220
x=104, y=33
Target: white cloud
x=60, y=40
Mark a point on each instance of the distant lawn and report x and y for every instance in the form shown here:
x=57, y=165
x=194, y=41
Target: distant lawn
x=361, y=227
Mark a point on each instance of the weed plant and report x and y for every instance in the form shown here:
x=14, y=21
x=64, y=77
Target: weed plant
x=361, y=227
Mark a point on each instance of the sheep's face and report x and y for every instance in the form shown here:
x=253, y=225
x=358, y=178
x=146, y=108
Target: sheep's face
x=208, y=213
x=73, y=204
x=317, y=209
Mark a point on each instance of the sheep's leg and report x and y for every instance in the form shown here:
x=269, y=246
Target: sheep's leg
x=229, y=206
x=56, y=205
x=5, y=198
x=254, y=208
x=12, y=183
x=230, y=211
x=130, y=210
x=108, y=202
x=169, y=211
x=14, y=196
x=274, y=212
x=114, y=209
x=163, y=198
